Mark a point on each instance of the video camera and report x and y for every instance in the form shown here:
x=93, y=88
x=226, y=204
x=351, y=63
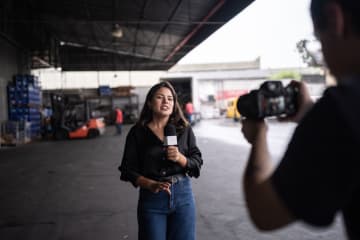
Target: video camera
x=271, y=99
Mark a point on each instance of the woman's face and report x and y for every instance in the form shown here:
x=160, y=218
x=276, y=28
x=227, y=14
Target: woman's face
x=162, y=103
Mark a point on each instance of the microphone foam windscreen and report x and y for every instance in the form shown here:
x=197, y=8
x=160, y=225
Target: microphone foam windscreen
x=170, y=130
x=170, y=138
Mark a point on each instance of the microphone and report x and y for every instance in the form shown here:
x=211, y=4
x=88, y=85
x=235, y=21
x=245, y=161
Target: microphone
x=170, y=135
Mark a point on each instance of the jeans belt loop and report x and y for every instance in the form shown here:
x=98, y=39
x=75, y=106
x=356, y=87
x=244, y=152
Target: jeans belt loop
x=174, y=178
x=177, y=178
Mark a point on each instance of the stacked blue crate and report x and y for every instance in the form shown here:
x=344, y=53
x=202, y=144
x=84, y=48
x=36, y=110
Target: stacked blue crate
x=104, y=91
x=24, y=99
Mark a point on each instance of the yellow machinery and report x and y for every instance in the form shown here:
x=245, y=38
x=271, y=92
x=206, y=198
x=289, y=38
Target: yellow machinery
x=231, y=110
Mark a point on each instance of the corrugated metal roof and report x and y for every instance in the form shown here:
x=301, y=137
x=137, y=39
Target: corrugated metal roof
x=77, y=34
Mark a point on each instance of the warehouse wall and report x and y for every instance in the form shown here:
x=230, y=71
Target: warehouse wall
x=52, y=79
x=12, y=61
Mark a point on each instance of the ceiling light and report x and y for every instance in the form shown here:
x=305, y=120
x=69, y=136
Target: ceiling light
x=117, y=31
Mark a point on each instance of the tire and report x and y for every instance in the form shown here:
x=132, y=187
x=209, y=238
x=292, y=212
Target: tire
x=235, y=119
x=93, y=133
x=61, y=134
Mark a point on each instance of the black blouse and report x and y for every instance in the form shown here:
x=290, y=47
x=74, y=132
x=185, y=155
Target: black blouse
x=145, y=155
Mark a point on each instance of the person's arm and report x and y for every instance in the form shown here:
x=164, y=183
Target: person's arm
x=129, y=167
x=193, y=156
x=265, y=208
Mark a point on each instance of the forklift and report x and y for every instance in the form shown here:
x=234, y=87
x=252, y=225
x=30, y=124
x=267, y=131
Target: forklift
x=71, y=118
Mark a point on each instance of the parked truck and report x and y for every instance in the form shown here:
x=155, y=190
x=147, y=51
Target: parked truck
x=184, y=88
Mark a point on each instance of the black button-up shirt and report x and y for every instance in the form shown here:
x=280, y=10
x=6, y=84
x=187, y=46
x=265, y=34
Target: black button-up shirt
x=319, y=174
x=145, y=155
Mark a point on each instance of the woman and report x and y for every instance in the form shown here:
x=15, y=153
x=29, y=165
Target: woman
x=166, y=207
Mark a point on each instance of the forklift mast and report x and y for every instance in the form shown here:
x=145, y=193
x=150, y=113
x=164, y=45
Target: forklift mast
x=68, y=112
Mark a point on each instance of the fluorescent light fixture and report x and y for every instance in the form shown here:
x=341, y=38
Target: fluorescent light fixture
x=117, y=31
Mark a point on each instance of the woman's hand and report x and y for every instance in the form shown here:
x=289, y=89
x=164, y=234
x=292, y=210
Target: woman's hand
x=155, y=187
x=173, y=154
x=152, y=185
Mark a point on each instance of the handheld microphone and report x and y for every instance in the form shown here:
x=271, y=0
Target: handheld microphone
x=170, y=135
x=169, y=140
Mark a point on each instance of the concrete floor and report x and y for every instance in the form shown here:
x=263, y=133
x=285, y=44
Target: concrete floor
x=71, y=190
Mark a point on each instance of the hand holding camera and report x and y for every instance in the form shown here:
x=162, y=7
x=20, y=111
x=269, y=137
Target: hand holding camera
x=273, y=99
x=304, y=102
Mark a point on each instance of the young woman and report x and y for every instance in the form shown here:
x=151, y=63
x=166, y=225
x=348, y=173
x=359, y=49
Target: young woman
x=166, y=207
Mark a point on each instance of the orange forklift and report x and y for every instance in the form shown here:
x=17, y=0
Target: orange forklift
x=71, y=119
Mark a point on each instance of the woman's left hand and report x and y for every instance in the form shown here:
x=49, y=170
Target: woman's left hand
x=173, y=154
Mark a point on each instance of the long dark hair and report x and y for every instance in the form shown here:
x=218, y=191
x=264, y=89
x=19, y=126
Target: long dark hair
x=320, y=19
x=177, y=116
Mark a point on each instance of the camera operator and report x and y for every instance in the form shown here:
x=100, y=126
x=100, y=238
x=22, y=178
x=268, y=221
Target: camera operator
x=318, y=175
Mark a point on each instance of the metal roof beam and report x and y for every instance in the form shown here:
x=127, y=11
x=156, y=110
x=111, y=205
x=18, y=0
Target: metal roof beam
x=109, y=50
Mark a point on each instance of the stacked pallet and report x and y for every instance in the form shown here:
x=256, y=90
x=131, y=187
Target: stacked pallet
x=24, y=103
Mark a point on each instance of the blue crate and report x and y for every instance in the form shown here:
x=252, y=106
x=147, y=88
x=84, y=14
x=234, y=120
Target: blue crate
x=20, y=80
x=35, y=129
x=13, y=117
x=31, y=79
x=104, y=90
x=12, y=96
x=23, y=92
x=32, y=117
x=34, y=110
x=35, y=123
x=11, y=88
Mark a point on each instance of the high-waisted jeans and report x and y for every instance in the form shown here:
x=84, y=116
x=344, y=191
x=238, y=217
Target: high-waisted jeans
x=167, y=217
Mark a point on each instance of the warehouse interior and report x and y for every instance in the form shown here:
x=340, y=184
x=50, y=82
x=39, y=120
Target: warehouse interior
x=94, y=35
x=70, y=189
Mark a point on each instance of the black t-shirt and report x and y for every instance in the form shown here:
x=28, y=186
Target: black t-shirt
x=144, y=155
x=319, y=174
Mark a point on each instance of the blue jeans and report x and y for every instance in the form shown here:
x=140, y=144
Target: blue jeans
x=164, y=217
x=118, y=128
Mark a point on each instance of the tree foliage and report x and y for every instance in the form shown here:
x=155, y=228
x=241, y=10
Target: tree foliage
x=286, y=75
x=311, y=57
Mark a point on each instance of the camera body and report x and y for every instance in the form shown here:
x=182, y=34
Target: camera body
x=271, y=99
